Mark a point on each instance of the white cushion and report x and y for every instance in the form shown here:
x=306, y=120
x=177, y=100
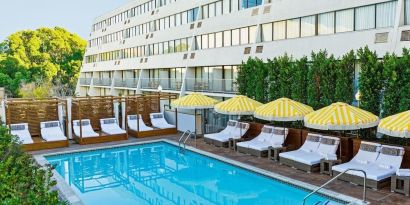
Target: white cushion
x=403, y=172
x=132, y=124
x=112, y=129
x=309, y=158
x=23, y=136
x=87, y=130
x=52, y=134
x=160, y=123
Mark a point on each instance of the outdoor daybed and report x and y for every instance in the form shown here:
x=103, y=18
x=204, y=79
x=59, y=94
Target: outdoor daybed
x=86, y=129
x=230, y=127
x=269, y=137
x=379, y=163
x=308, y=157
x=21, y=131
x=222, y=140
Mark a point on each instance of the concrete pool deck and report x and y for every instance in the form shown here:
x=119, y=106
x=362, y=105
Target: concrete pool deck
x=379, y=197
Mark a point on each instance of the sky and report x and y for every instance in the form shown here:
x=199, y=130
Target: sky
x=74, y=15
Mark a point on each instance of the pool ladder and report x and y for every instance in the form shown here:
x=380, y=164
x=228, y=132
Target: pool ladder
x=184, y=138
x=334, y=178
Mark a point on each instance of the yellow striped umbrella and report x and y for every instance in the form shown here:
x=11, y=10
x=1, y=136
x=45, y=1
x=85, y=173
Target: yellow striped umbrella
x=283, y=109
x=340, y=116
x=238, y=105
x=397, y=125
x=194, y=101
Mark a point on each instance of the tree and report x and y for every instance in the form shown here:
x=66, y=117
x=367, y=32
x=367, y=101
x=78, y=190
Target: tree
x=284, y=75
x=405, y=88
x=299, y=81
x=22, y=180
x=273, y=79
x=260, y=72
x=370, y=81
x=46, y=55
x=345, y=68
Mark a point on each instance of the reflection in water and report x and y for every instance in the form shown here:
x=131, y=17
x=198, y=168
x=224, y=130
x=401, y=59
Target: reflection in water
x=158, y=174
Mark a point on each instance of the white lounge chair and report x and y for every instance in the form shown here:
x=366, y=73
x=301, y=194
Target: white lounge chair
x=158, y=121
x=21, y=131
x=308, y=157
x=269, y=137
x=230, y=127
x=222, y=140
x=136, y=123
x=378, y=172
x=87, y=130
x=51, y=131
x=110, y=126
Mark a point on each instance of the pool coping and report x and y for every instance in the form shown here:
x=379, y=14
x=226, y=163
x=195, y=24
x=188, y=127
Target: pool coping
x=68, y=194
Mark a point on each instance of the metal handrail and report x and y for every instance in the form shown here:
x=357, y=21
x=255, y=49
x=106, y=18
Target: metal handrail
x=334, y=178
x=191, y=133
x=182, y=136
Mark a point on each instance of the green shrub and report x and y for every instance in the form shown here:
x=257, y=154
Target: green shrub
x=299, y=80
x=22, y=181
x=344, y=89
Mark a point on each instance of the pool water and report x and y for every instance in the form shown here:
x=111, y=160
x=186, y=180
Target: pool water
x=157, y=173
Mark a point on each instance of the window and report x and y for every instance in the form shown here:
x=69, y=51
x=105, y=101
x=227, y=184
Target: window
x=166, y=47
x=292, y=28
x=177, y=19
x=172, y=21
x=171, y=46
x=250, y=3
x=184, y=17
x=252, y=34
x=235, y=37
x=267, y=32
x=198, y=43
x=211, y=40
x=407, y=12
x=218, y=40
x=205, y=13
x=385, y=14
x=227, y=38
x=344, y=20
x=218, y=8
x=279, y=30
x=326, y=23
x=244, y=35
x=178, y=47
x=365, y=17
x=308, y=26
x=204, y=41
x=211, y=10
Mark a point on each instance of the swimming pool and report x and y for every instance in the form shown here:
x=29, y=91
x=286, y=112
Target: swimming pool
x=158, y=173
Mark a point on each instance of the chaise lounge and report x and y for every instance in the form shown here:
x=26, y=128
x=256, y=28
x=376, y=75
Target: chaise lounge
x=21, y=131
x=308, y=157
x=51, y=131
x=158, y=121
x=230, y=127
x=379, y=163
x=110, y=126
x=135, y=123
x=86, y=129
x=222, y=140
x=269, y=137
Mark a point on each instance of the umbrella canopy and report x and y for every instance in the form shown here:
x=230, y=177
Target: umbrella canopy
x=194, y=101
x=238, y=105
x=283, y=109
x=397, y=125
x=340, y=116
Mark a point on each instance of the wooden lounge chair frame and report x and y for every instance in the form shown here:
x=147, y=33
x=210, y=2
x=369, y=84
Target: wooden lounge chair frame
x=94, y=109
x=33, y=112
x=144, y=105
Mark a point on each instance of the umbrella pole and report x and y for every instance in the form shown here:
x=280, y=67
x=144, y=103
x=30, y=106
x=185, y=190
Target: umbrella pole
x=195, y=125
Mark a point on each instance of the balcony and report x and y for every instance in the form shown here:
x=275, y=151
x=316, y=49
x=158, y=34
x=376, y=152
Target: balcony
x=85, y=81
x=212, y=85
x=126, y=83
x=166, y=83
x=102, y=81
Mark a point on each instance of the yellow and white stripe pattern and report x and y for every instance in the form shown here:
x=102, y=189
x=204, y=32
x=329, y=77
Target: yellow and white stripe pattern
x=397, y=125
x=340, y=116
x=238, y=105
x=194, y=101
x=283, y=109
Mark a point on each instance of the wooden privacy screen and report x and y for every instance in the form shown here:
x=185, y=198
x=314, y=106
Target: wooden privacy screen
x=32, y=112
x=94, y=109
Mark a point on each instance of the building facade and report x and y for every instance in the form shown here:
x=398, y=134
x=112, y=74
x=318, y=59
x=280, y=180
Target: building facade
x=184, y=46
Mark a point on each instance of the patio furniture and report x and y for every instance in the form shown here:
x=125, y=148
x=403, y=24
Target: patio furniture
x=86, y=129
x=110, y=126
x=158, y=121
x=51, y=131
x=136, y=123
x=327, y=164
x=21, y=131
x=400, y=184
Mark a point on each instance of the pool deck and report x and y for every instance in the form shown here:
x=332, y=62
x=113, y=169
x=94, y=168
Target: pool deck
x=380, y=197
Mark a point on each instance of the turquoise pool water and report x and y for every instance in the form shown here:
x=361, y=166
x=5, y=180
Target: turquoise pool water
x=157, y=173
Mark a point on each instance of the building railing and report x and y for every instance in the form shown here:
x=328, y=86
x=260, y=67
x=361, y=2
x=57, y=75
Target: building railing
x=126, y=82
x=166, y=83
x=85, y=81
x=211, y=85
x=102, y=81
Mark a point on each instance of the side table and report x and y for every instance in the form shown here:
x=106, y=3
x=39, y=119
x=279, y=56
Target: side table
x=400, y=184
x=326, y=166
x=273, y=152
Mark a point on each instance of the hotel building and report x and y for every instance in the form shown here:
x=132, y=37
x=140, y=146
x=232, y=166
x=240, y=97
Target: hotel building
x=188, y=46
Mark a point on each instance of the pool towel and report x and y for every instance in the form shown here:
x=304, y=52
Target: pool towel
x=403, y=172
